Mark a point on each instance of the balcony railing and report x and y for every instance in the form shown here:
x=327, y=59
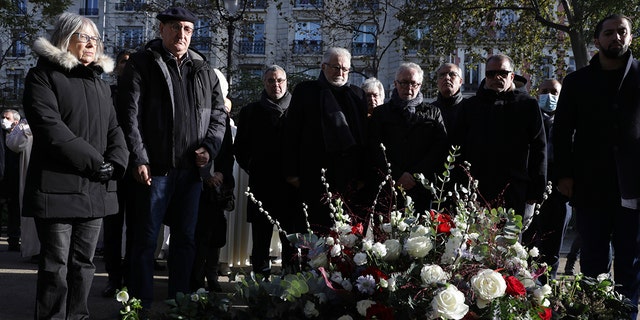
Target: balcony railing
x=88, y=11
x=252, y=47
x=363, y=49
x=308, y=3
x=307, y=47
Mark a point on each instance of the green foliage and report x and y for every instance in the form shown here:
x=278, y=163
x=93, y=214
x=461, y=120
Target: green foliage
x=201, y=305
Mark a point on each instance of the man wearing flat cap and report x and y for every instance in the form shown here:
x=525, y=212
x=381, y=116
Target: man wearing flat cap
x=171, y=110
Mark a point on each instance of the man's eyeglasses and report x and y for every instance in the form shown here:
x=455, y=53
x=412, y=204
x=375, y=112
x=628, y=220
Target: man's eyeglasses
x=177, y=27
x=338, y=68
x=407, y=84
x=278, y=81
x=84, y=38
x=493, y=73
x=451, y=74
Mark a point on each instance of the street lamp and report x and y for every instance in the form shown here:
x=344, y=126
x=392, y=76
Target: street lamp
x=232, y=12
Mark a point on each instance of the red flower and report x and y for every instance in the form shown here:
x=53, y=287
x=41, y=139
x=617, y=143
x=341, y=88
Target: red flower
x=358, y=229
x=379, y=311
x=515, y=287
x=545, y=314
x=445, y=223
x=376, y=273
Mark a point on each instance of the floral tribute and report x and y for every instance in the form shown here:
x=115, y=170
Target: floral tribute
x=462, y=262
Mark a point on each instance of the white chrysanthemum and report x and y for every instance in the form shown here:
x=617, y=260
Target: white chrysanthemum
x=488, y=284
x=360, y=258
x=418, y=247
x=336, y=250
x=394, y=248
x=433, y=273
x=449, y=304
x=534, y=252
x=379, y=250
x=363, y=305
x=366, y=284
x=519, y=250
x=310, y=310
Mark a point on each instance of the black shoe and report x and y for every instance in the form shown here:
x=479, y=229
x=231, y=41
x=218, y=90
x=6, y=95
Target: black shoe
x=110, y=291
x=224, y=270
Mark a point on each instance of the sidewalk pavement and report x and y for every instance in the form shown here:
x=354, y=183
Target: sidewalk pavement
x=18, y=286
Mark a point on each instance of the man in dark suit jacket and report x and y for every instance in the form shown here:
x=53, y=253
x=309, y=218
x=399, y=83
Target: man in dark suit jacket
x=501, y=133
x=325, y=129
x=596, y=145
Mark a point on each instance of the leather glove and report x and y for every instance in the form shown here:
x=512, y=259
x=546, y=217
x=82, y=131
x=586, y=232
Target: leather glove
x=103, y=173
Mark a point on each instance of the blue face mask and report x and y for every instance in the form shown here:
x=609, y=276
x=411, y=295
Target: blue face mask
x=547, y=102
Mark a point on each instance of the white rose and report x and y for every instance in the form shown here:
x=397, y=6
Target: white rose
x=489, y=284
x=363, y=305
x=379, y=250
x=310, y=310
x=534, y=252
x=319, y=260
x=360, y=258
x=419, y=230
x=418, y=247
x=433, y=273
x=449, y=303
x=336, y=249
x=393, y=249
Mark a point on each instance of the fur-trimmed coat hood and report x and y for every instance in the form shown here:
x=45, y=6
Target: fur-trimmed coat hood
x=68, y=61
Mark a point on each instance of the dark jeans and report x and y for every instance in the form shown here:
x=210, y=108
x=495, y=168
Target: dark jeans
x=66, y=268
x=211, y=235
x=116, y=267
x=172, y=200
x=620, y=227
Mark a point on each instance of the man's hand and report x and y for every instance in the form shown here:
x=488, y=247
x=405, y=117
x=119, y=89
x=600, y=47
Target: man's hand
x=142, y=174
x=407, y=181
x=565, y=187
x=215, y=181
x=202, y=157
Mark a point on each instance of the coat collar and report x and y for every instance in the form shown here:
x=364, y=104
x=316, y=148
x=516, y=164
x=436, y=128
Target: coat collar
x=65, y=59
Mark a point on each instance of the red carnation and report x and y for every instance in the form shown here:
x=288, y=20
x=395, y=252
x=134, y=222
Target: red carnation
x=445, y=223
x=515, y=287
x=545, y=314
x=358, y=229
x=376, y=273
x=379, y=311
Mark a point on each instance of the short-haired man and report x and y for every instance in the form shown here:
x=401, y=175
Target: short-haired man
x=596, y=145
x=172, y=113
x=325, y=128
x=501, y=133
x=449, y=80
x=9, y=185
x=258, y=149
x=412, y=132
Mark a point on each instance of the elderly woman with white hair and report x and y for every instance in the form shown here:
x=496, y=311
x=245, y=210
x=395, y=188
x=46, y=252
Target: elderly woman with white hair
x=78, y=153
x=373, y=93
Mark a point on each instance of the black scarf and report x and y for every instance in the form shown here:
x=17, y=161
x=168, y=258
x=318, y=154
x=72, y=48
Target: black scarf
x=406, y=107
x=341, y=128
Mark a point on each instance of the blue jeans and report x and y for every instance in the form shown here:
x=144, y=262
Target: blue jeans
x=619, y=228
x=173, y=200
x=66, y=268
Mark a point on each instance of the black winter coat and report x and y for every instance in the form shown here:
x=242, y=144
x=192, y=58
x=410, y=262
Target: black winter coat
x=75, y=130
x=596, y=137
x=145, y=99
x=503, y=137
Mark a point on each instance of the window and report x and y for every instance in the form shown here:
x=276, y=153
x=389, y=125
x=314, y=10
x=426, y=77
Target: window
x=308, y=39
x=21, y=7
x=472, y=75
x=130, y=38
x=547, y=67
x=256, y=4
x=15, y=85
x=504, y=18
x=364, y=41
x=18, y=47
x=308, y=3
x=252, y=38
x=364, y=5
x=419, y=42
x=201, y=40
x=90, y=8
x=129, y=5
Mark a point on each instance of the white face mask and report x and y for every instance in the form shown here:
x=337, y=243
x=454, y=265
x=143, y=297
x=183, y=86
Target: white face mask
x=6, y=124
x=547, y=102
